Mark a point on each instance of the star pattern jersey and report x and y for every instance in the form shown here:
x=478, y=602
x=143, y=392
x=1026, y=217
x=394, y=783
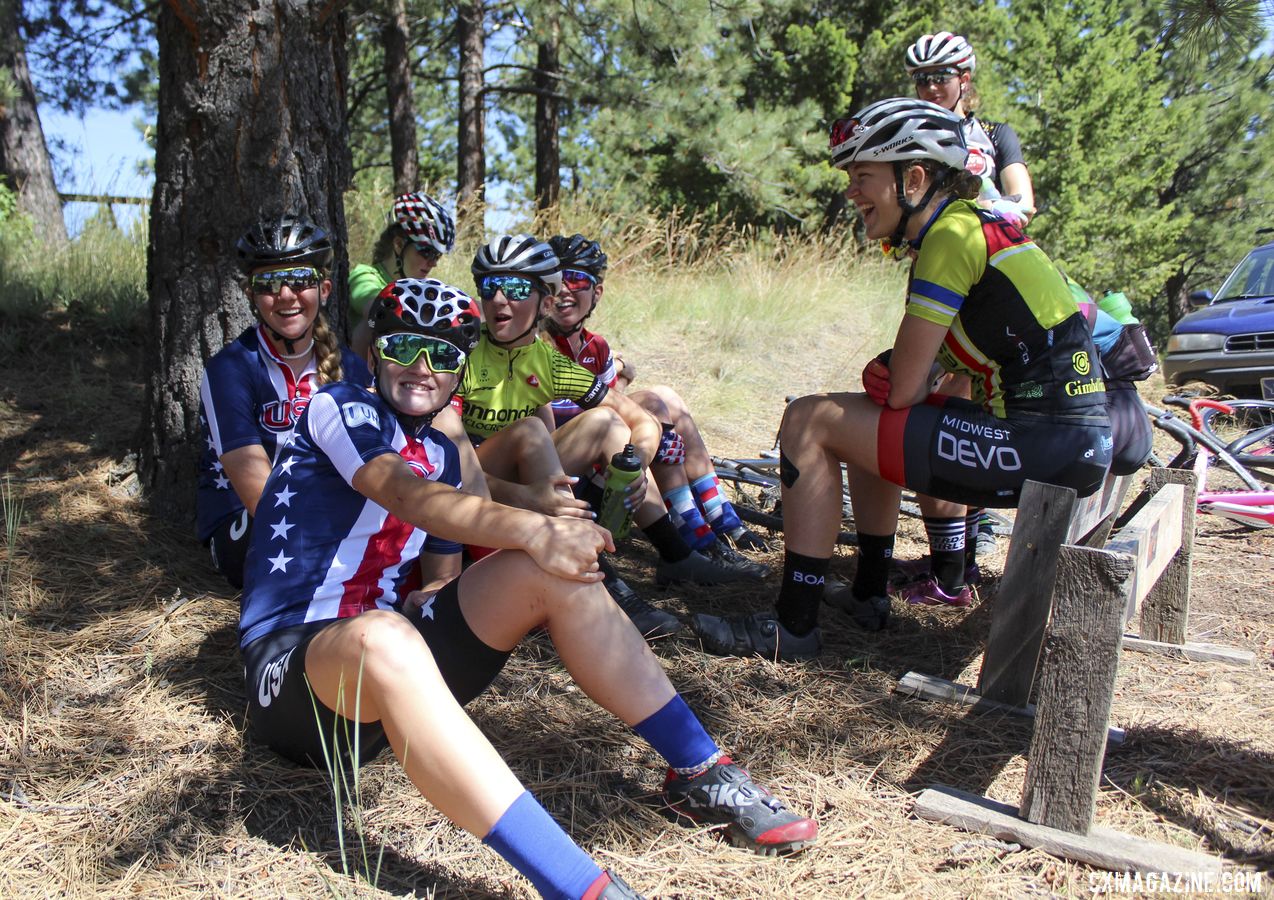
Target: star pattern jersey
x=594, y=355
x=501, y=386
x=249, y=395
x=321, y=550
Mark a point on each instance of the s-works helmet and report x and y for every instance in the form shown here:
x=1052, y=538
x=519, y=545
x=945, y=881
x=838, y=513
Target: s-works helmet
x=284, y=239
x=518, y=254
x=425, y=221
x=941, y=49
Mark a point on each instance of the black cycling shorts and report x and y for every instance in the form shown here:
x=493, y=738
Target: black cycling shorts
x=952, y=449
x=229, y=547
x=1129, y=426
x=285, y=716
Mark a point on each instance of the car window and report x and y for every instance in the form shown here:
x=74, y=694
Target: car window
x=1253, y=277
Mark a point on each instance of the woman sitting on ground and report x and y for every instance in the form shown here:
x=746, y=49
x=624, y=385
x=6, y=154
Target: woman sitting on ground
x=983, y=303
x=338, y=661
x=254, y=389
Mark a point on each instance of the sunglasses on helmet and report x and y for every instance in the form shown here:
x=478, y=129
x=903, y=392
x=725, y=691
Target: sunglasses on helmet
x=938, y=76
x=514, y=287
x=298, y=279
x=405, y=348
x=576, y=280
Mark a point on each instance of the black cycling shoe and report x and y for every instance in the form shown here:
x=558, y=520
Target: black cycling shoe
x=760, y=634
x=649, y=620
x=743, y=538
x=723, y=553
x=753, y=817
x=871, y=614
x=614, y=888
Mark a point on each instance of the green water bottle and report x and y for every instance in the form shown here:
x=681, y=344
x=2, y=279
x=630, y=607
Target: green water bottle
x=624, y=468
x=1116, y=305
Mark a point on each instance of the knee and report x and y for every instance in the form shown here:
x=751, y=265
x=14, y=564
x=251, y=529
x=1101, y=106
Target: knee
x=671, y=400
x=604, y=422
x=799, y=418
x=529, y=432
x=390, y=648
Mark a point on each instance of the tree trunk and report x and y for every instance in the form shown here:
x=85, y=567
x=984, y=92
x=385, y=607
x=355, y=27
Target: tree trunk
x=1175, y=290
x=472, y=171
x=402, y=111
x=548, y=158
x=24, y=156
x=251, y=124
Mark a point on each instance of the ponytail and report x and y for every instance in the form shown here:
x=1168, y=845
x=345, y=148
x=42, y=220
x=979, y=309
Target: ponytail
x=327, y=353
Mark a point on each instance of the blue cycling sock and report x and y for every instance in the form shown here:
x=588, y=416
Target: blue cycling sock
x=686, y=516
x=678, y=736
x=533, y=843
x=716, y=508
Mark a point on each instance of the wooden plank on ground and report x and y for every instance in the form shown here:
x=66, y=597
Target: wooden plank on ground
x=1152, y=538
x=1025, y=594
x=1193, y=651
x=1165, y=612
x=929, y=687
x=1101, y=847
x=1076, y=687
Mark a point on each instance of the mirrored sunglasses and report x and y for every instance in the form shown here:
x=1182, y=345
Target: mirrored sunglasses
x=940, y=76
x=514, y=287
x=430, y=253
x=298, y=279
x=575, y=280
x=405, y=348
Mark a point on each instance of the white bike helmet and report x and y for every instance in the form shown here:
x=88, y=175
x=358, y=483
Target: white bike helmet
x=425, y=222
x=941, y=49
x=899, y=130
x=518, y=254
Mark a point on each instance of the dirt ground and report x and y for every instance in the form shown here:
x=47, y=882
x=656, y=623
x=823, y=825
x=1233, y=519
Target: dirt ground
x=125, y=769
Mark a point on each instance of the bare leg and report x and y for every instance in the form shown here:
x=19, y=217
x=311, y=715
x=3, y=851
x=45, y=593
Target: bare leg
x=698, y=460
x=378, y=661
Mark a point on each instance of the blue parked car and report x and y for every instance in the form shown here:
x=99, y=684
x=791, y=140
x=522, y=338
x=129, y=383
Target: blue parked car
x=1228, y=341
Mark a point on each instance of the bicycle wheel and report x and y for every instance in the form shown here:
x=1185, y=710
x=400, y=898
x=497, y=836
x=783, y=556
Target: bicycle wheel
x=1247, y=434
x=752, y=487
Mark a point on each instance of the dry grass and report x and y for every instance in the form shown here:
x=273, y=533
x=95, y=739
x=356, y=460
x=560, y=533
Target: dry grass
x=124, y=769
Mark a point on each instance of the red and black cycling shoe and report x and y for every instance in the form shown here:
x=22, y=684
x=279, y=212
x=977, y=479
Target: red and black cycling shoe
x=753, y=817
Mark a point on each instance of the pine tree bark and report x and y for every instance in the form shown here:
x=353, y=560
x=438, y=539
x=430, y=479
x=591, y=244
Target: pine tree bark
x=24, y=156
x=547, y=80
x=402, y=111
x=251, y=123
x=471, y=175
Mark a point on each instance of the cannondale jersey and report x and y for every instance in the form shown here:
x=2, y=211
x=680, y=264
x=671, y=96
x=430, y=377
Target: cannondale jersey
x=321, y=550
x=594, y=354
x=501, y=386
x=1012, y=323
x=249, y=395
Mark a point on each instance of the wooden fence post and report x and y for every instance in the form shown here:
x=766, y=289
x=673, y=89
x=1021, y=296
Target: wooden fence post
x=1166, y=609
x=1075, y=687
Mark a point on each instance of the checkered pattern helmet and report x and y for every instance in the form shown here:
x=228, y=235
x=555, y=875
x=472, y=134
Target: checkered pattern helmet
x=518, y=254
x=427, y=306
x=899, y=130
x=941, y=49
x=284, y=239
x=578, y=252
x=424, y=220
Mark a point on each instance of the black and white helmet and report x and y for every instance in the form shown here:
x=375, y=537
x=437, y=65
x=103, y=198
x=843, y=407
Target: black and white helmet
x=578, y=252
x=899, y=130
x=425, y=221
x=518, y=254
x=941, y=49
x=427, y=306
x=284, y=239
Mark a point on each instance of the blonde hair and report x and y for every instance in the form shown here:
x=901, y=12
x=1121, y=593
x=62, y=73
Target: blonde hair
x=327, y=352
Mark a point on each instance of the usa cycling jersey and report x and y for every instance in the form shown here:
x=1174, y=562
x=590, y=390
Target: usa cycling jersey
x=993, y=147
x=594, y=354
x=249, y=395
x=320, y=549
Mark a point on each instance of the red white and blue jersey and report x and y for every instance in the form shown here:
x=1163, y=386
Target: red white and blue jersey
x=249, y=395
x=320, y=550
x=594, y=355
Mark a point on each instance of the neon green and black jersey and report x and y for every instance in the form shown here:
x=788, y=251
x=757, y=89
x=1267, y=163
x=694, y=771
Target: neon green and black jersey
x=501, y=386
x=1013, y=325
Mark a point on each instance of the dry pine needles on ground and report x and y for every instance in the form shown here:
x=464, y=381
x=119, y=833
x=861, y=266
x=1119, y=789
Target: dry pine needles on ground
x=125, y=769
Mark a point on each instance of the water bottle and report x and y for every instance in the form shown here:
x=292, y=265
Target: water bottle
x=624, y=468
x=1116, y=305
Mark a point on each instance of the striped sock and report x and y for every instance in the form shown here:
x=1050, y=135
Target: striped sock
x=946, y=550
x=686, y=516
x=716, y=508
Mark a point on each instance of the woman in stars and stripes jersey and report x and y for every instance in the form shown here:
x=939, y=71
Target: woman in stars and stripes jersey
x=254, y=389
x=338, y=662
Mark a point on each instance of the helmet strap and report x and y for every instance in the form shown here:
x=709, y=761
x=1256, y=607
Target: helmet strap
x=897, y=241
x=413, y=425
